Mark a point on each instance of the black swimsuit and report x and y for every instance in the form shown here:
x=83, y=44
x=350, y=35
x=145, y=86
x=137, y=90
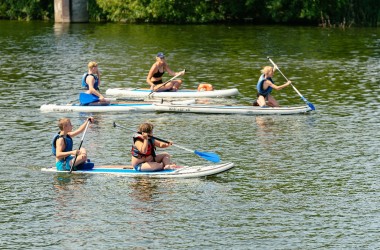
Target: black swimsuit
x=158, y=74
x=157, y=82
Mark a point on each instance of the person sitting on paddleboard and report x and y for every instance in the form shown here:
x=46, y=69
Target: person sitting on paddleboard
x=62, y=147
x=144, y=157
x=265, y=85
x=154, y=78
x=91, y=82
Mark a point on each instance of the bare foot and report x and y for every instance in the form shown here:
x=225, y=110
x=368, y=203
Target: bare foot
x=172, y=166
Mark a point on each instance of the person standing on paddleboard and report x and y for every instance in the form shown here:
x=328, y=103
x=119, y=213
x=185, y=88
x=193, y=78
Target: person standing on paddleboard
x=144, y=157
x=91, y=82
x=265, y=85
x=154, y=78
x=62, y=147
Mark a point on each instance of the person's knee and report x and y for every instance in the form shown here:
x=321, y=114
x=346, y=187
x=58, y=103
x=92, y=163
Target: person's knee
x=261, y=102
x=158, y=166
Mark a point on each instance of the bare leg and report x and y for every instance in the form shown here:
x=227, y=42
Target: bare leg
x=151, y=166
x=177, y=84
x=81, y=158
x=261, y=101
x=166, y=161
x=167, y=87
x=272, y=102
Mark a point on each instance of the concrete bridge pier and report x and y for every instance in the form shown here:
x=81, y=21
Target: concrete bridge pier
x=71, y=11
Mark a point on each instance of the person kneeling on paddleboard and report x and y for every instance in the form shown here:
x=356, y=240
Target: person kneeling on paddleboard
x=265, y=86
x=144, y=157
x=91, y=82
x=62, y=147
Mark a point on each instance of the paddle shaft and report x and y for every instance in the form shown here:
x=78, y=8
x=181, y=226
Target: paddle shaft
x=283, y=75
x=156, y=138
x=80, y=145
x=210, y=156
x=171, y=79
x=302, y=97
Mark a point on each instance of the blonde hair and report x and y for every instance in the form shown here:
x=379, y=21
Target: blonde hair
x=92, y=64
x=62, y=122
x=266, y=70
x=146, y=128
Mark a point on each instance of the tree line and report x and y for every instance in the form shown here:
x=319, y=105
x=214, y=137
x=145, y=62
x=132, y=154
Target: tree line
x=344, y=13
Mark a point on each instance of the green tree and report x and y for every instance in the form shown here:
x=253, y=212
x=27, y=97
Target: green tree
x=26, y=9
x=312, y=12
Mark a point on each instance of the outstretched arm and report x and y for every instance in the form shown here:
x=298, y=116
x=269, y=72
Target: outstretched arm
x=276, y=87
x=81, y=128
x=161, y=144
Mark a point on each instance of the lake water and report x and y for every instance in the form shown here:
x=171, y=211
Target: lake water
x=300, y=182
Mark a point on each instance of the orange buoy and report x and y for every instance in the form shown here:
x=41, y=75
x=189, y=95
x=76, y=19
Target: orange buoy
x=204, y=86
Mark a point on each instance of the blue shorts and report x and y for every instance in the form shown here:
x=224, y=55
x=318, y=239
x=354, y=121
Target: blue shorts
x=64, y=165
x=138, y=166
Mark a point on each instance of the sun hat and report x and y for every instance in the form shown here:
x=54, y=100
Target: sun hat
x=160, y=55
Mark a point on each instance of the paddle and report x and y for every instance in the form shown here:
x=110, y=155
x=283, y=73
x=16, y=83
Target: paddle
x=303, y=98
x=84, y=133
x=86, y=99
x=171, y=79
x=210, y=156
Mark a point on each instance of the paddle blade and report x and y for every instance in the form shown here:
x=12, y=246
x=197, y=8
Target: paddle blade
x=86, y=99
x=311, y=105
x=210, y=156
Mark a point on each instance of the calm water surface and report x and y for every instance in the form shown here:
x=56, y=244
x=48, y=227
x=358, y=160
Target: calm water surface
x=300, y=182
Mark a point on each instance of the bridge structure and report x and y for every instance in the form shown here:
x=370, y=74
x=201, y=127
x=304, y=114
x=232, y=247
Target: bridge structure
x=71, y=11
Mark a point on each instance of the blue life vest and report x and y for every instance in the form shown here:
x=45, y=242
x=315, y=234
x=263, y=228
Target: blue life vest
x=68, y=143
x=151, y=148
x=84, y=83
x=260, y=86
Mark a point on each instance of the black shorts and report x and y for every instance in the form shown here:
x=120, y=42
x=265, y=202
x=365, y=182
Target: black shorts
x=157, y=82
x=265, y=96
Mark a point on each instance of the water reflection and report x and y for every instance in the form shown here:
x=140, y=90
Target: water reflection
x=142, y=190
x=264, y=123
x=69, y=191
x=61, y=29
